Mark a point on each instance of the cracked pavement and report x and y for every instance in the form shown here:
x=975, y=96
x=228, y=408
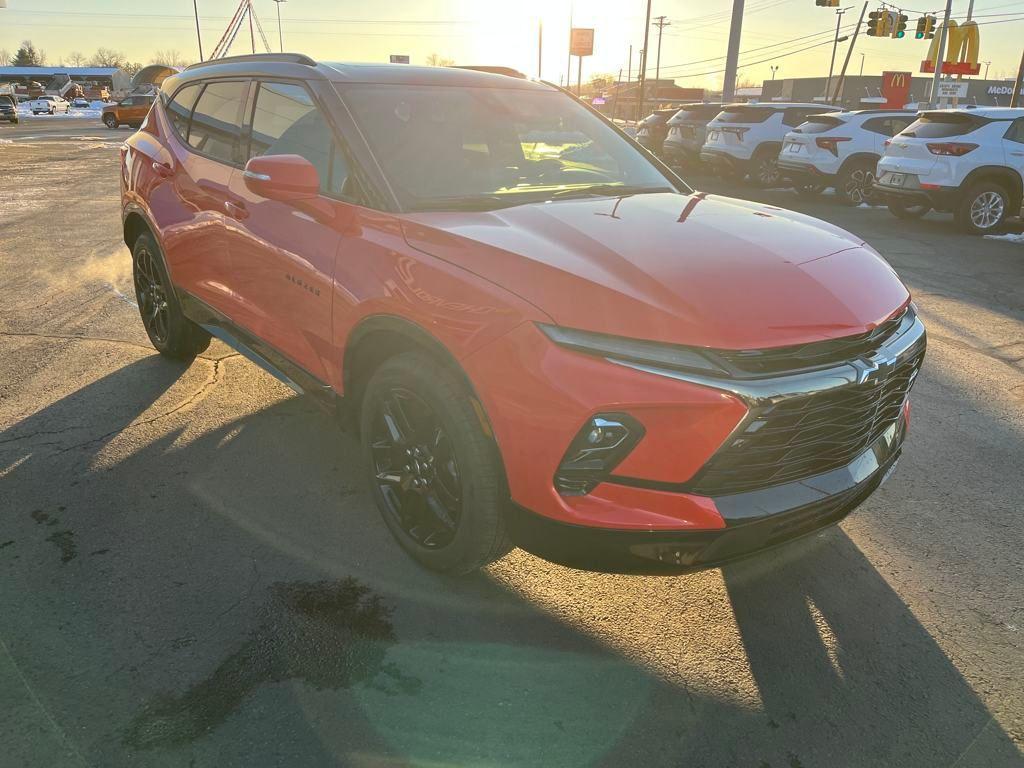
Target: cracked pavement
x=192, y=572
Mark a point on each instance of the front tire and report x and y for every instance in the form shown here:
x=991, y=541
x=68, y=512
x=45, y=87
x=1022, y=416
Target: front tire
x=110, y=121
x=436, y=477
x=983, y=208
x=171, y=333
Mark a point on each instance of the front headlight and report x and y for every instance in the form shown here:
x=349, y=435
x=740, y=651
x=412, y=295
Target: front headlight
x=671, y=356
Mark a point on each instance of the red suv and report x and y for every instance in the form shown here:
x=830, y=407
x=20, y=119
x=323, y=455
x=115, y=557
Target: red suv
x=539, y=333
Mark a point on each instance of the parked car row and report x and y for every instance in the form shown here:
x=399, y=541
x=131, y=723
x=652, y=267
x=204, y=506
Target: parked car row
x=969, y=162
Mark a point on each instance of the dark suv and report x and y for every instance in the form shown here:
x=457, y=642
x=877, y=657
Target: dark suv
x=8, y=108
x=539, y=333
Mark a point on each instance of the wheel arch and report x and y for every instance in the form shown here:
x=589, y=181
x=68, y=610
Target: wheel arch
x=858, y=157
x=378, y=338
x=999, y=174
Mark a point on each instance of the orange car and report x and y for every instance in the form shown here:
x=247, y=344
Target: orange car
x=131, y=110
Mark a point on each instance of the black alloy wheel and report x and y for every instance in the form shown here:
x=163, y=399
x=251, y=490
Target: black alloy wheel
x=151, y=294
x=434, y=469
x=416, y=469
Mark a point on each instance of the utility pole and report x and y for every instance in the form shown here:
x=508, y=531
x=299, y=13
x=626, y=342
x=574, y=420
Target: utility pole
x=661, y=23
x=835, y=45
x=1018, y=83
x=615, y=95
x=940, y=56
x=568, y=63
x=643, y=62
x=540, y=46
x=629, y=70
x=280, y=39
x=849, y=52
x=195, y=7
x=733, y=53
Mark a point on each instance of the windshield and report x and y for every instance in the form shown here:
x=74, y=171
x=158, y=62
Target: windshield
x=941, y=125
x=480, y=148
x=745, y=115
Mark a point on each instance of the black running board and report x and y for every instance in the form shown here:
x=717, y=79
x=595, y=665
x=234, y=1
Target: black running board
x=257, y=351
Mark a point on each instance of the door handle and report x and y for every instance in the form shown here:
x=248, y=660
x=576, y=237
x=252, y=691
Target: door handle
x=163, y=170
x=236, y=210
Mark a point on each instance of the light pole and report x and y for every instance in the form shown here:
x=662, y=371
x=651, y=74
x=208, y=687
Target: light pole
x=835, y=45
x=987, y=65
x=862, y=64
x=280, y=39
x=732, y=53
x=774, y=68
x=195, y=7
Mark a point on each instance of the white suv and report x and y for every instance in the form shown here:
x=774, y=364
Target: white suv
x=968, y=161
x=840, y=150
x=746, y=138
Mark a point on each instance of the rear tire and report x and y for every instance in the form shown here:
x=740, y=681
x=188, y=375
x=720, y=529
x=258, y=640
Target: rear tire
x=983, y=209
x=764, y=168
x=809, y=190
x=418, y=425
x=855, y=183
x=170, y=332
x=903, y=211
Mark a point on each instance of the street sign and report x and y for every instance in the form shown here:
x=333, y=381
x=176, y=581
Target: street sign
x=951, y=89
x=581, y=42
x=399, y=58
x=598, y=101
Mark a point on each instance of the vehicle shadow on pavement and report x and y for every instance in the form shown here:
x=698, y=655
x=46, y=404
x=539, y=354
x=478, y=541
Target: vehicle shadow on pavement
x=232, y=598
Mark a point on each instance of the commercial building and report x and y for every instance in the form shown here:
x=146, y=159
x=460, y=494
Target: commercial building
x=872, y=90
x=29, y=82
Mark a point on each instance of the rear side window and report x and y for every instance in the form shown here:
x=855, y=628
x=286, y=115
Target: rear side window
x=216, y=127
x=179, y=109
x=1016, y=131
x=796, y=115
x=745, y=115
x=286, y=121
x=819, y=124
x=941, y=126
x=699, y=112
x=886, y=126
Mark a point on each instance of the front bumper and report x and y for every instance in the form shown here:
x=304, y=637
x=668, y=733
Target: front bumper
x=755, y=521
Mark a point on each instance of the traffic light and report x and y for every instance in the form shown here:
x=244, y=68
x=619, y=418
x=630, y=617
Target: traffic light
x=925, y=28
x=879, y=23
x=827, y=3
x=899, y=25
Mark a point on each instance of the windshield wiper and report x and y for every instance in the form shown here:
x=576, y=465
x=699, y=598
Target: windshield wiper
x=470, y=203
x=607, y=190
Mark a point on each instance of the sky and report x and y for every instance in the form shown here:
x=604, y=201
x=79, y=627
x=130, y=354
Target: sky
x=794, y=35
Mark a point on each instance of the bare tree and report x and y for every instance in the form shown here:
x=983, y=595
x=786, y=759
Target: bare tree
x=169, y=58
x=5, y=57
x=76, y=59
x=107, y=57
x=434, y=60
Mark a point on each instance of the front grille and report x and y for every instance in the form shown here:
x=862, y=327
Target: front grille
x=808, y=435
x=814, y=354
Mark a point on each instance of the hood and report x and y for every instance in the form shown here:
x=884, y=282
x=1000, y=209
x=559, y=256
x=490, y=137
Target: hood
x=697, y=269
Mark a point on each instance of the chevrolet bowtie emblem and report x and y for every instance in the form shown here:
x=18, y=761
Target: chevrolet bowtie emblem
x=864, y=369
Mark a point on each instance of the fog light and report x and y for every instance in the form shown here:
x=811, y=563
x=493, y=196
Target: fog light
x=600, y=445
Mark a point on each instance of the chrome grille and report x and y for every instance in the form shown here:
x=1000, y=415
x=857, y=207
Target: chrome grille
x=806, y=435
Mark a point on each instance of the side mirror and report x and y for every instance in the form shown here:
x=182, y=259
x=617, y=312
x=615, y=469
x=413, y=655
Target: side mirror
x=287, y=178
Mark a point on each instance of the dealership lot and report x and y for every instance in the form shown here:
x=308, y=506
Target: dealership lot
x=192, y=571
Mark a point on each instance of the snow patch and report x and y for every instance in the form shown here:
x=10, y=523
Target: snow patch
x=1008, y=238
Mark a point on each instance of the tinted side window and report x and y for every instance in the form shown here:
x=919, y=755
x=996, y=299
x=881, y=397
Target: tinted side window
x=1016, y=131
x=794, y=116
x=216, y=127
x=286, y=121
x=179, y=109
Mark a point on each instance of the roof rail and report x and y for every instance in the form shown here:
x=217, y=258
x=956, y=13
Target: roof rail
x=284, y=58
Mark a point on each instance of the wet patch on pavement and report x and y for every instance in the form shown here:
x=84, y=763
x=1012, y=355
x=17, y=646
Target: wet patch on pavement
x=328, y=635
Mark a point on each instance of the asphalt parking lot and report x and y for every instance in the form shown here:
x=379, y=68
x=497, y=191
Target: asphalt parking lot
x=192, y=572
